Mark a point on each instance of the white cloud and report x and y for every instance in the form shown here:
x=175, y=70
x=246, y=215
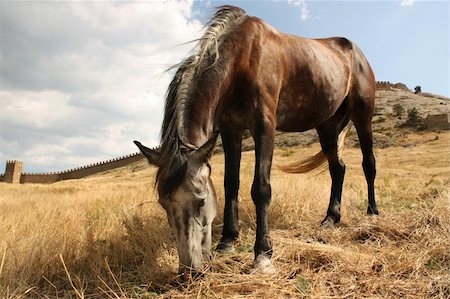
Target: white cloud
x=407, y=2
x=304, y=11
x=35, y=109
x=79, y=81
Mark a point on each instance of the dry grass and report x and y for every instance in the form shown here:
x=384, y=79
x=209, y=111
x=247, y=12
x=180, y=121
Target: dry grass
x=106, y=236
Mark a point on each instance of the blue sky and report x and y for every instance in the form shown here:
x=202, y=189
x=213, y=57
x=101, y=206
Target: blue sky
x=80, y=80
x=406, y=43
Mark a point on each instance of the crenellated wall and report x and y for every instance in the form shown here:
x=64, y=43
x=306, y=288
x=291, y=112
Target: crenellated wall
x=386, y=85
x=14, y=170
x=39, y=178
x=91, y=169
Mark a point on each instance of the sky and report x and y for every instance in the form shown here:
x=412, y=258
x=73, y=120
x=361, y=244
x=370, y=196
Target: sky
x=79, y=81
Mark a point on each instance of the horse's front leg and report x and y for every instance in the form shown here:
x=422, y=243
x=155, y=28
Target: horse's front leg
x=232, y=143
x=263, y=134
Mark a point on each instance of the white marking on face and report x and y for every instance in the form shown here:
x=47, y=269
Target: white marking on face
x=190, y=212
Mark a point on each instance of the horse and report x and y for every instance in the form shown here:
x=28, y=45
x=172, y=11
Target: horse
x=244, y=74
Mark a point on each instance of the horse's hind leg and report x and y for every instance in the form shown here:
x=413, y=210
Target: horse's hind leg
x=328, y=135
x=361, y=114
x=232, y=143
x=366, y=141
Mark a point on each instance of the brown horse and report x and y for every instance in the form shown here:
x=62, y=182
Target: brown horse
x=244, y=74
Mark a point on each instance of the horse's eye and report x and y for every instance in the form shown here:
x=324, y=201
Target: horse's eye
x=201, y=203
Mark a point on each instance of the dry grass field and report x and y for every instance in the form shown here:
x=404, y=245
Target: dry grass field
x=106, y=236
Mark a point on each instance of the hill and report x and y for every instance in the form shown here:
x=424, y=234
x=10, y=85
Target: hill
x=387, y=125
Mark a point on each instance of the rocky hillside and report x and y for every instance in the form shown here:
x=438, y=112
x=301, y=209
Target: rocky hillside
x=388, y=121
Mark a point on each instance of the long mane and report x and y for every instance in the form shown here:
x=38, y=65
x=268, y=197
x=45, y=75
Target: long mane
x=172, y=164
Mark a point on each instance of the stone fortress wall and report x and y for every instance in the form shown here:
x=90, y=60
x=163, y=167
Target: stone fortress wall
x=438, y=121
x=13, y=171
x=386, y=85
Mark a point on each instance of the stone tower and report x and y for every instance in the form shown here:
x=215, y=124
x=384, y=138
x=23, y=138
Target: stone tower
x=13, y=171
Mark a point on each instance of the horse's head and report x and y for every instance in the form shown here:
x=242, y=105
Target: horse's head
x=191, y=206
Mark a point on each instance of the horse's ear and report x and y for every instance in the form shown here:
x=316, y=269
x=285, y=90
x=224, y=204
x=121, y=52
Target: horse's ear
x=151, y=155
x=205, y=151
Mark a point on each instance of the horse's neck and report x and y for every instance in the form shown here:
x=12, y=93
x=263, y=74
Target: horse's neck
x=198, y=123
x=202, y=108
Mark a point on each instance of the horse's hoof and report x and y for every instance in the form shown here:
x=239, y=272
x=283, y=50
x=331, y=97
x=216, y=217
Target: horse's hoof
x=263, y=264
x=328, y=223
x=225, y=247
x=372, y=211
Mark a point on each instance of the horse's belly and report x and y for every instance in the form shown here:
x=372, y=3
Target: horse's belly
x=302, y=115
x=297, y=122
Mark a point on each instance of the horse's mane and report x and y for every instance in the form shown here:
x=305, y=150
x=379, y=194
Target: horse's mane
x=172, y=164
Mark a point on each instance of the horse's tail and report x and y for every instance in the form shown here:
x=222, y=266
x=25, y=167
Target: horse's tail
x=319, y=160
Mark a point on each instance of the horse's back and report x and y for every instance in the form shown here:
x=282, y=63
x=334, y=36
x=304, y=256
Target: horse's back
x=302, y=81
x=317, y=82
